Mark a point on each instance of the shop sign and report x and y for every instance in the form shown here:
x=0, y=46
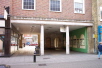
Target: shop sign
x=62, y=29
x=100, y=29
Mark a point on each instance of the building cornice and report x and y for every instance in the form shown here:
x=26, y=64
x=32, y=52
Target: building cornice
x=49, y=19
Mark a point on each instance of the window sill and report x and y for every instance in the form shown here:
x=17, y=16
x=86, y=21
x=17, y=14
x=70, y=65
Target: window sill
x=28, y=9
x=78, y=13
x=56, y=11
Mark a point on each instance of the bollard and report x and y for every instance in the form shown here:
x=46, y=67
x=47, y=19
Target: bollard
x=34, y=57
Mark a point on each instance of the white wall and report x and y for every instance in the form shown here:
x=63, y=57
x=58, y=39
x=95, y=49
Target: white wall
x=1, y=45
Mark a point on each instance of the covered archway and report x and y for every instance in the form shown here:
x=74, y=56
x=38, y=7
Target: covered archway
x=48, y=29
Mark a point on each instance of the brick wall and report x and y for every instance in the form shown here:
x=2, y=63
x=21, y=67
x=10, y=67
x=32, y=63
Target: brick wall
x=42, y=10
x=3, y=3
x=1, y=7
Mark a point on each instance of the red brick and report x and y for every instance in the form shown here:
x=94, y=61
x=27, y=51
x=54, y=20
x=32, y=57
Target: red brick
x=42, y=10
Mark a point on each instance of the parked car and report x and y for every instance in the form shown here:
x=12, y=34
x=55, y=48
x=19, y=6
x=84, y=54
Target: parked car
x=33, y=44
x=28, y=43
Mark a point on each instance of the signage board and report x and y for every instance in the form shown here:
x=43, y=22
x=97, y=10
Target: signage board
x=62, y=29
x=94, y=35
x=5, y=14
x=99, y=33
x=100, y=29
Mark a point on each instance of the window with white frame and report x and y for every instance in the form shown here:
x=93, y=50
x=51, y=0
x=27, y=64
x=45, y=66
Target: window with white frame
x=100, y=13
x=55, y=5
x=28, y=4
x=79, y=6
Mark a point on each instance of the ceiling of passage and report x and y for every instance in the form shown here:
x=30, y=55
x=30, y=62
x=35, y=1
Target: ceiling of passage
x=35, y=29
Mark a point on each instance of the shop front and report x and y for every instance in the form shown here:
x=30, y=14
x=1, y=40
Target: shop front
x=1, y=42
x=2, y=35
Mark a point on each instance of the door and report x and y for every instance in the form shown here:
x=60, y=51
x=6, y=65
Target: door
x=48, y=42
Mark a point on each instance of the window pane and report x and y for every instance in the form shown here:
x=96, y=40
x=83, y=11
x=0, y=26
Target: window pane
x=30, y=3
x=24, y=7
x=24, y=0
x=29, y=7
x=30, y=0
x=32, y=7
x=55, y=5
x=25, y=3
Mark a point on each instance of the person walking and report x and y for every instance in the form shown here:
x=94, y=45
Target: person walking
x=99, y=49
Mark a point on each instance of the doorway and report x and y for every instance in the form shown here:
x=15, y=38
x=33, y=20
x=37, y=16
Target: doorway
x=48, y=42
x=56, y=42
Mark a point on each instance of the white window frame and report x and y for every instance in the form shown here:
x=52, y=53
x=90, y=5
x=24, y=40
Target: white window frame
x=29, y=9
x=60, y=7
x=83, y=7
x=100, y=13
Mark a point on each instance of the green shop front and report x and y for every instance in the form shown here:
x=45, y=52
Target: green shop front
x=78, y=40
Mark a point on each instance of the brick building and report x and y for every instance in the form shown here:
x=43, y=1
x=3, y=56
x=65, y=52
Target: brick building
x=58, y=24
x=97, y=20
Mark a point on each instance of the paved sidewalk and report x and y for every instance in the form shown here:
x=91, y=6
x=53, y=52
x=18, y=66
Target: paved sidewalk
x=77, y=64
x=56, y=61
x=48, y=58
x=73, y=60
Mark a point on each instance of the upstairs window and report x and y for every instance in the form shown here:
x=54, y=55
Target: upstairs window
x=55, y=5
x=28, y=4
x=100, y=13
x=79, y=6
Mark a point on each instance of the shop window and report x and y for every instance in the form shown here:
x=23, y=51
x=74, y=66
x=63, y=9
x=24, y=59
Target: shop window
x=13, y=44
x=71, y=41
x=78, y=46
x=82, y=41
x=1, y=45
x=2, y=31
x=75, y=41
